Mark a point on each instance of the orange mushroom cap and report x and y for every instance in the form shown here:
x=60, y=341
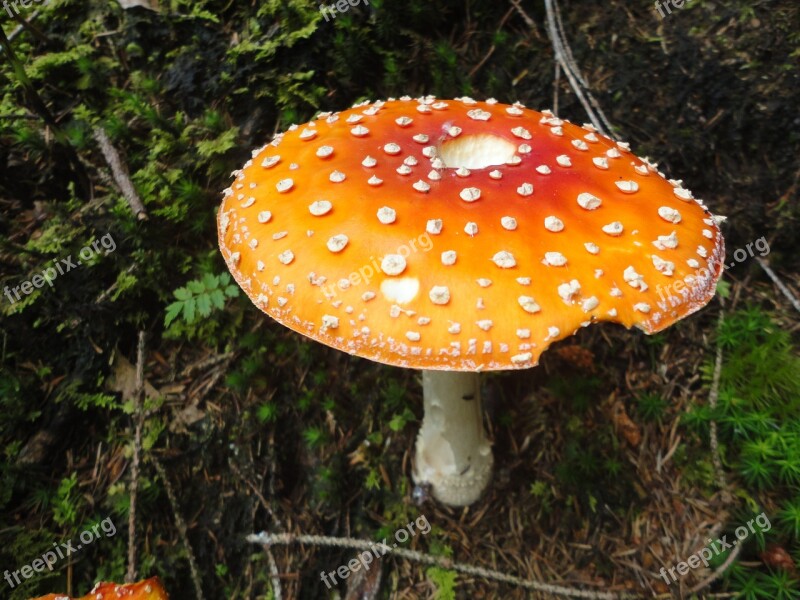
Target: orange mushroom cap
x=149, y=589
x=356, y=230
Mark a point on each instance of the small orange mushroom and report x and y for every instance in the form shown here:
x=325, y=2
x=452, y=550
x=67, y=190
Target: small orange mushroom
x=149, y=589
x=458, y=236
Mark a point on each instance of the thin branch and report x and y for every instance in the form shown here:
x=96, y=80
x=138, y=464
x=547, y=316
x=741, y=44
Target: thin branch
x=713, y=396
x=266, y=539
x=181, y=524
x=781, y=286
x=120, y=174
x=138, y=418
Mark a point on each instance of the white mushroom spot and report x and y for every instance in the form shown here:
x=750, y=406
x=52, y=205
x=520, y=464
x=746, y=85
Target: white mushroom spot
x=367, y=296
x=391, y=149
x=369, y=162
x=434, y=175
x=248, y=203
x=479, y=115
x=524, y=149
x=555, y=259
x=308, y=134
x=580, y=145
x=470, y=194
x=702, y=251
x=454, y=328
x=270, y=161
x=403, y=170
x=264, y=216
x=666, y=242
x=708, y=234
x=460, y=171
x=553, y=332
x=616, y=292
x=434, y=226
x=337, y=177
x=423, y=108
x=429, y=151
x=374, y=181
x=413, y=336
x=613, y=229
x=613, y=153
x=411, y=161
x=509, y=223
x=526, y=189
x=543, y=170
x=400, y=291
x=393, y=264
x=591, y=247
x=260, y=265
x=553, y=224
x=634, y=279
x=669, y=214
x=568, y=290
x=421, y=138
x=284, y=185
x=421, y=186
x=496, y=174
x=471, y=228
x=320, y=207
x=523, y=334
x=387, y=215
x=591, y=137
x=404, y=121
x=437, y=163
x=504, y=260
x=590, y=303
x=337, y=242
x=439, y=294
x=627, y=186
x=359, y=131
x=682, y=193
x=324, y=151
x=329, y=322
x=521, y=132
x=641, y=170
x=514, y=111
x=524, y=357
x=600, y=162
x=557, y=130
x=449, y=257
x=524, y=280
x=440, y=105
x=485, y=324
x=663, y=266
x=454, y=131
x=563, y=160
x=286, y=257
x=612, y=312
x=514, y=161
x=693, y=263
x=275, y=236
x=354, y=119
x=484, y=282
x=642, y=307
x=588, y=201
x=234, y=258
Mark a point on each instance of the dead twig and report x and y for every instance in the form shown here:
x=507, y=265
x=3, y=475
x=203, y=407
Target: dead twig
x=138, y=418
x=120, y=174
x=267, y=539
x=781, y=286
x=181, y=524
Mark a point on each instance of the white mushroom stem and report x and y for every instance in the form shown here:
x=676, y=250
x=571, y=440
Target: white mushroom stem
x=453, y=455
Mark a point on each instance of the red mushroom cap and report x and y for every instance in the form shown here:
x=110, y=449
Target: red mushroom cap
x=149, y=589
x=462, y=235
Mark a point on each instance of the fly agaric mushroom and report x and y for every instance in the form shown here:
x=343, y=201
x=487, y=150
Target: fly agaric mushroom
x=456, y=237
x=149, y=589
